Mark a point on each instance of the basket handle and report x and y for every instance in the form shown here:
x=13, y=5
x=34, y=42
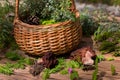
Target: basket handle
x=73, y=8
x=16, y=9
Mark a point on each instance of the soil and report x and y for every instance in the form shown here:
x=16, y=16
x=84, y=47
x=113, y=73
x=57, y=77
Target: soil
x=104, y=69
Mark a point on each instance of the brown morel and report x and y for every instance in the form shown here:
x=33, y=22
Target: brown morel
x=86, y=55
x=48, y=61
x=37, y=68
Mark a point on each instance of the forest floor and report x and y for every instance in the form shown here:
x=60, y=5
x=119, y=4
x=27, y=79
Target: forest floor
x=104, y=69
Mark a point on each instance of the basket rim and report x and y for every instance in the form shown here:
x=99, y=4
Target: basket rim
x=18, y=21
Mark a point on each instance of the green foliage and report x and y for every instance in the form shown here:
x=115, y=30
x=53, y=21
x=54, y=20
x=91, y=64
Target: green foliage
x=73, y=64
x=6, y=69
x=63, y=67
x=102, y=36
x=61, y=63
x=94, y=75
x=115, y=2
x=117, y=52
x=6, y=26
x=100, y=57
x=110, y=59
x=113, y=70
x=22, y=63
x=12, y=55
x=109, y=2
x=74, y=75
x=32, y=7
x=45, y=74
x=46, y=22
x=56, y=69
x=64, y=71
x=107, y=37
x=58, y=10
x=107, y=46
x=89, y=25
x=48, y=11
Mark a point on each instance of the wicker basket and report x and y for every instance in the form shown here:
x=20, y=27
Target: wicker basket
x=58, y=38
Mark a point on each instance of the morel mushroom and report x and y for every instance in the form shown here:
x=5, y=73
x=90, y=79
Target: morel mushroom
x=37, y=68
x=48, y=61
x=86, y=55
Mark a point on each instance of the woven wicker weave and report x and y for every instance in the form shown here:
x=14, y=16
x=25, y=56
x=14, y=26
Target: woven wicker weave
x=38, y=39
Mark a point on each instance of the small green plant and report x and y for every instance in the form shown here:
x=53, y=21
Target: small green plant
x=107, y=37
x=107, y=46
x=113, y=70
x=61, y=63
x=56, y=69
x=100, y=57
x=70, y=64
x=22, y=63
x=89, y=25
x=73, y=74
x=94, y=75
x=6, y=26
x=8, y=68
x=12, y=55
x=101, y=34
x=64, y=71
x=73, y=64
x=116, y=54
x=63, y=67
x=110, y=59
x=45, y=74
